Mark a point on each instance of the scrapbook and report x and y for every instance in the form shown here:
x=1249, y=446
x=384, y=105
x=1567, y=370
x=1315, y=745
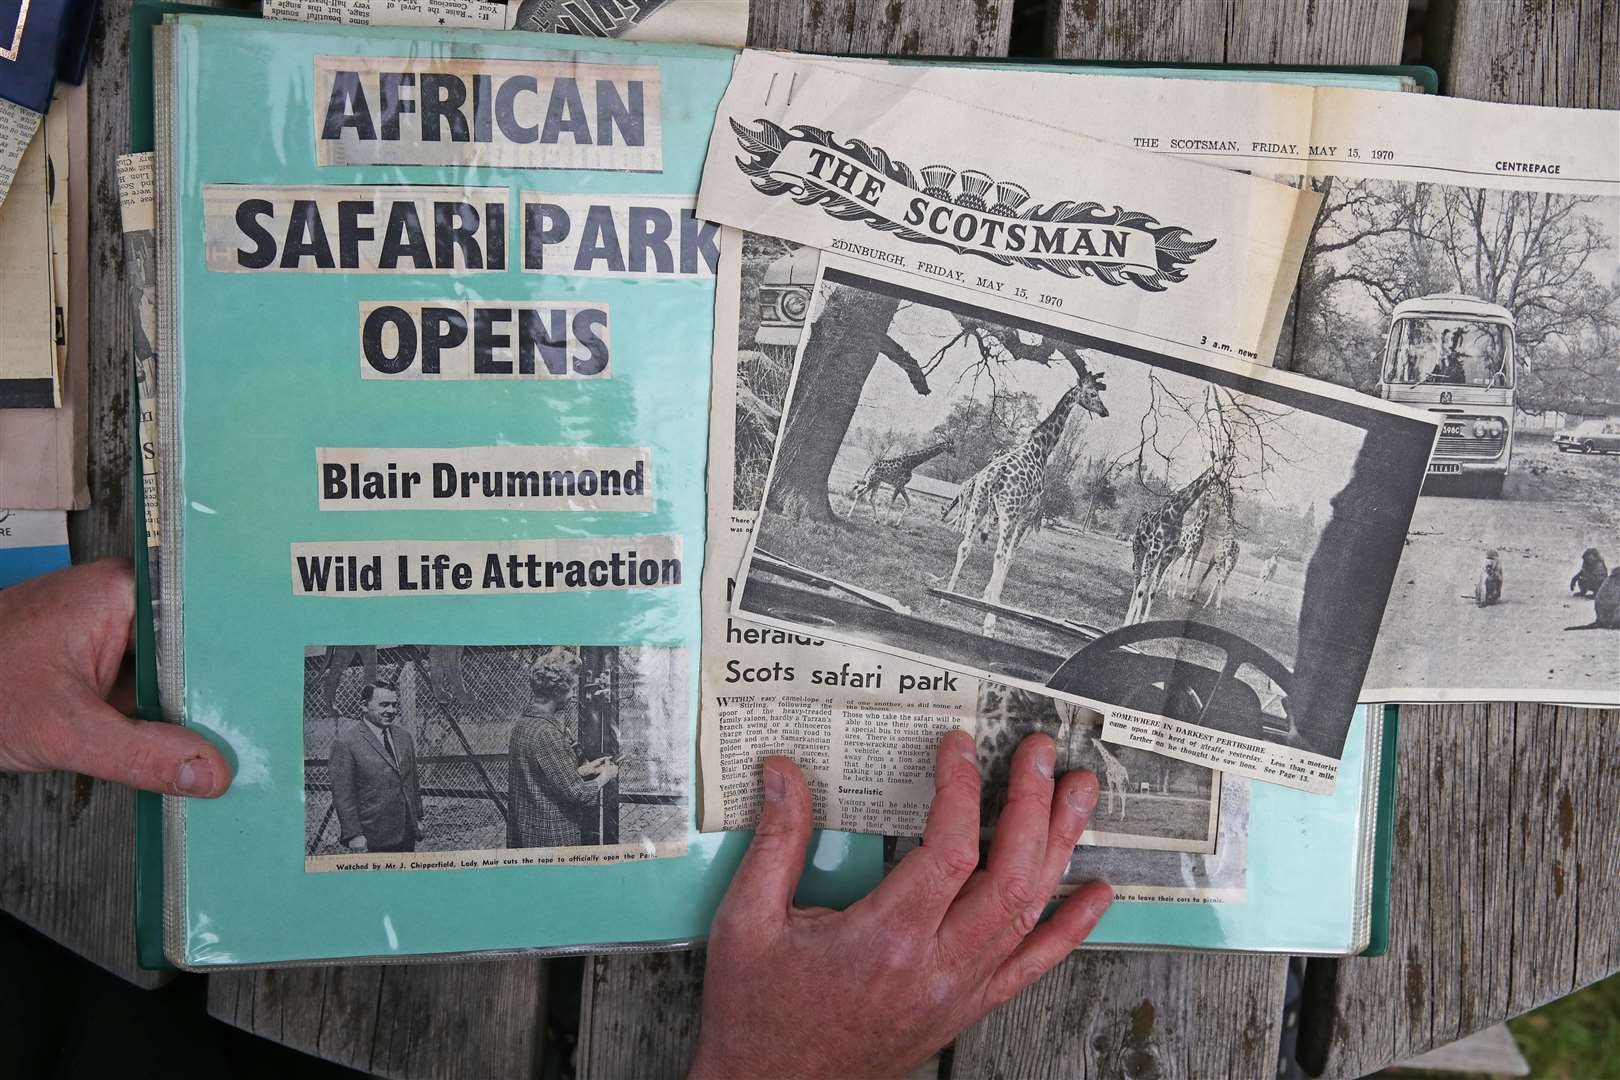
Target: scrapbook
x=435, y=325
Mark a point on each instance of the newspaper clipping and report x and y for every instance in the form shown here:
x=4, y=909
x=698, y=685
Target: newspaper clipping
x=863, y=725
x=1137, y=620
x=135, y=194
x=1196, y=256
x=422, y=757
x=1143, y=873
x=1463, y=261
x=1470, y=266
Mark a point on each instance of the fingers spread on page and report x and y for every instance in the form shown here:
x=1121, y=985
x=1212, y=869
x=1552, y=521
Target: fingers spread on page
x=875, y=989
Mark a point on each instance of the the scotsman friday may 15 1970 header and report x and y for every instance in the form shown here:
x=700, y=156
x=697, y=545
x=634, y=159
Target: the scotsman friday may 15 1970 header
x=1130, y=256
x=1281, y=131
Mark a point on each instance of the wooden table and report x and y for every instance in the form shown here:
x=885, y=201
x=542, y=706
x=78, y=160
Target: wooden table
x=1507, y=863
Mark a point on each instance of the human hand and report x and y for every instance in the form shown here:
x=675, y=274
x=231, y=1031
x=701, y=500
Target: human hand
x=872, y=991
x=63, y=639
x=590, y=768
x=357, y=843
x=608, y=773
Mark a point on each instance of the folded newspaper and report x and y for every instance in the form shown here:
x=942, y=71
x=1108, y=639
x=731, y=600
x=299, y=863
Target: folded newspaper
x=1030, y=338
x=1464, y=262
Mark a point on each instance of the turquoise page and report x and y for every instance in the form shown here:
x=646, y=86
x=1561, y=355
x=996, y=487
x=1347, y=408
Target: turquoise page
x=1301, y=877
x=303, y=857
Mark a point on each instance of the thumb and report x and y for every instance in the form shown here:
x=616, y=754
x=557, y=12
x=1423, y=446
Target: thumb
x=774, y=861
x=99, y=741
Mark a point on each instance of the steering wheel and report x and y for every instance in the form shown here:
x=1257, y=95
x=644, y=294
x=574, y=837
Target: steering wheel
x=1110, y=670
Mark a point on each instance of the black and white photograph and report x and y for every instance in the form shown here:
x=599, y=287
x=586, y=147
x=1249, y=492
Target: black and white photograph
x=1123, y=528
x=1146, y=800
x=1221, y=876
x=438, y=756
x=1499, y=310
x=1144, y=873
x=774, y=297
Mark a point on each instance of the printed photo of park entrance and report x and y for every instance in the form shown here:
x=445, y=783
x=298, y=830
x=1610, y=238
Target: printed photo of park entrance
x=1039, y=507
x=1500, y=311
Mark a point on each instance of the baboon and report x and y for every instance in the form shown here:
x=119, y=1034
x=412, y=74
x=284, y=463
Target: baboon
x=1489, y=588
x=1589, y=578
x=1606, y=605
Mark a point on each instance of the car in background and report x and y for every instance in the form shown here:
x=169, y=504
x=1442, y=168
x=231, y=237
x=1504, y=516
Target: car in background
x=1590, y=437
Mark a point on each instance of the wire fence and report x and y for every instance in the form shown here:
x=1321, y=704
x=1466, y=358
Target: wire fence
x=458, y=704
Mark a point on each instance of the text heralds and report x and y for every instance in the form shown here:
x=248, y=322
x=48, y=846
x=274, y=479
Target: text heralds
x=466, y=339
x=493, y=113
x=591, y=478
x=336, y=229
x=485, y=567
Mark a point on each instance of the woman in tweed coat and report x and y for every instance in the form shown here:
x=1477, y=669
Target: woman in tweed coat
x=550, y=788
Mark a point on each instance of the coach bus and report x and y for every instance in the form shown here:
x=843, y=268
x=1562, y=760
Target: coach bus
x=1454, y=354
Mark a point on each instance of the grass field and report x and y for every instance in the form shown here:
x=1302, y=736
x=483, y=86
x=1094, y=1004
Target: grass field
x=1163, y=816
x=1081, y=576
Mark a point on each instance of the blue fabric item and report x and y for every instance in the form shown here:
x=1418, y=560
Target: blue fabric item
x=73, y=53
x=20, y=564
x=29, y=42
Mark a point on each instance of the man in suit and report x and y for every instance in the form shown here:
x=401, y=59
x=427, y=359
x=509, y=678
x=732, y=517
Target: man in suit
x=373, y=772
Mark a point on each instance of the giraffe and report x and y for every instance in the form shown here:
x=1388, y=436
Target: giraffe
x=1005, y=715
x=1157, y=543
x=1115, y=776
x=1009, y=489
x=1220, y=569
x=1220, y=537
x=1269, y=570
x=895, y=472
x=1192, y=544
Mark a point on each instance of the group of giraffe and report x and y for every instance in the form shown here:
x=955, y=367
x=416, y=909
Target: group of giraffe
x=1163, y=538
x=1006, y=496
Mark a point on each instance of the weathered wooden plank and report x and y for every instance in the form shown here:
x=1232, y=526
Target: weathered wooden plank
x=1508, y=823
x=1109, y=1014
x=1173, y=1015
x=640, y=1015
x=888, y=27
x=104, y=528
x=1597, y=879
x=1534, y=52
x=440, y=1021
x=1504, y=892
x=67, y=867
x=1229, y=31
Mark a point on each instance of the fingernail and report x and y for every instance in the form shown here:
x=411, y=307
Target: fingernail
x=196, y=777
x=775, y=785
x=1100, y=903
x=965, y=747
x=1046, y=761
x=1082, y=798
